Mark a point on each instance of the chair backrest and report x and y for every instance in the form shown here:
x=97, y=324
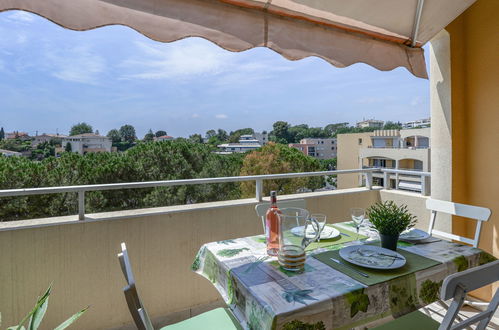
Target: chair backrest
x=477, y=213
x=261, y=209
x=137, y=309
x=457, y=285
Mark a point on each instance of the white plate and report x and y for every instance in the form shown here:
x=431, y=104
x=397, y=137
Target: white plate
x=327, y=233
x=414, y=235
x=371, y=256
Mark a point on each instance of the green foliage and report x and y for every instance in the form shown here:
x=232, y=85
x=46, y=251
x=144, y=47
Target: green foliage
x=229, y=253
x=169, y=160
x=358, y=300
x=160, y=133
x=127, y=133
x=18, y=145
x=300, y=296
x=392, y=125
x=149, y=137
x=274, y=158
x=2, y=134
x=35, y=316
x=299, y=325
x=430, y=291
x=234, y=136
x=81, y=128
x=114, y=135
x=389, y=219
x=461, y=263
x=196, y=138
x=68, y=147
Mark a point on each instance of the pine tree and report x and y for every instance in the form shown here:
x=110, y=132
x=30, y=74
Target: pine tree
x=2, y=134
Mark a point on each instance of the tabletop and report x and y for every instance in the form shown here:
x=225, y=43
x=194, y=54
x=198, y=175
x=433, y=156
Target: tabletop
x=264, y=296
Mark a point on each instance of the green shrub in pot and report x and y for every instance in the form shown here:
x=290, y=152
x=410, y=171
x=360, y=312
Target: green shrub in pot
x=390, y=220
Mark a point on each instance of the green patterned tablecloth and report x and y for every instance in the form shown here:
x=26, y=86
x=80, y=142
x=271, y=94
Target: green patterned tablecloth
x=263, y=296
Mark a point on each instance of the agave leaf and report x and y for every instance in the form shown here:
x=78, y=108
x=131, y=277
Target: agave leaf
x=70, y=321
x=36, y=319
x=39, y=303
x=16, y=327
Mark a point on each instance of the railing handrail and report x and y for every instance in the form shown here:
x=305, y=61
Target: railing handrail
x=82, y=189
x=163, y=183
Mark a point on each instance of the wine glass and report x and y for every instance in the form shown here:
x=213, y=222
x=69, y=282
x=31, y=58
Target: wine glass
x=321, y=220
x=358, y=215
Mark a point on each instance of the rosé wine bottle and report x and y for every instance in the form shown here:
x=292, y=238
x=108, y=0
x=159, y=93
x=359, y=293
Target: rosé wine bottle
x=272, y=226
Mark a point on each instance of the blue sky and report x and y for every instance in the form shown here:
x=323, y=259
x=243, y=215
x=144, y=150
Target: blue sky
x=51, y=78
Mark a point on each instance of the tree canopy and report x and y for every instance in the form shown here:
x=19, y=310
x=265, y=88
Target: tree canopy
x=81, y=128
x=127, y=133
x=160, y=133
x=114, y=135
x=274, y=158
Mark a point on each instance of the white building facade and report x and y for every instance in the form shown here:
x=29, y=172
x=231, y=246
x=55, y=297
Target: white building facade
x=89, y=142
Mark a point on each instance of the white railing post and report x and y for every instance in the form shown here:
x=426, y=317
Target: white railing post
x=425, y=187
x=369, y=180
x=81, y=205
x=386, y=180
x=259, y=190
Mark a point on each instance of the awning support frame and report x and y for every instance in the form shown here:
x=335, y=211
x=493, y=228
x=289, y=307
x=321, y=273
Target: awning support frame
x=417, y=19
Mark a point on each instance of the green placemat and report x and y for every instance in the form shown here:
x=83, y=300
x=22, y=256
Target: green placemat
x=348, y=236
x=414, y=263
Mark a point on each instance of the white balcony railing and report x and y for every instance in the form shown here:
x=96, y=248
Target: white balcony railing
x=82, y=189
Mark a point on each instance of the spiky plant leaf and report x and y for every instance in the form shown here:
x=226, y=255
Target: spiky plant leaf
x=71, y=320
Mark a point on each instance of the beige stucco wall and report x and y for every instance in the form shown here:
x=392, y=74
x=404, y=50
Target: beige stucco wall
x=79, y=257
x=474, y=38
x=348, y=157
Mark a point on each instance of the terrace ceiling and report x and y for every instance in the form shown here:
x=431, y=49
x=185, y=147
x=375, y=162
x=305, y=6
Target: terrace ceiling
x=385, y=34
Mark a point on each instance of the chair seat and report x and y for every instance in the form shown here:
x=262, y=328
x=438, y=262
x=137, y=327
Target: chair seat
x=413, y=321
x=216, y=319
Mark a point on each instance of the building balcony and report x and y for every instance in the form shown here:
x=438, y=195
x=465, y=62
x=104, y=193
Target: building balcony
x=79, y=256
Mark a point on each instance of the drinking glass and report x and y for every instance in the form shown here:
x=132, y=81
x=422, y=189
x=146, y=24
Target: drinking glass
x=358, y=215
x=321, y=220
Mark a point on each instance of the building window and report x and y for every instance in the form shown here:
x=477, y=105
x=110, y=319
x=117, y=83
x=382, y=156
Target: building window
x=360, y=141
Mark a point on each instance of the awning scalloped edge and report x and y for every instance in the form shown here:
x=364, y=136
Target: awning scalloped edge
x=232, y=28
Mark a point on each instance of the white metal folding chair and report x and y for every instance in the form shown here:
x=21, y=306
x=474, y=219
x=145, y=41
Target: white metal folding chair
x=139, y=313
x=455, y=286
x=261, y=209
x=480, y=214
x=477, y=213
x=215, y=319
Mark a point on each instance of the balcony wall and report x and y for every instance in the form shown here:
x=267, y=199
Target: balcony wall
x=79, y=257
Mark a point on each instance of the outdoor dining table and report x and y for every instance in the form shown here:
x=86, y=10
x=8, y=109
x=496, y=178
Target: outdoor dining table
x=326, y=295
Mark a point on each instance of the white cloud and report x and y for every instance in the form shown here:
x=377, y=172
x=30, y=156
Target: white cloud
x=21, y=16
x=196, y=58
x=221, y=116
x=77, y=64
x=195, y=115
x=182, y=60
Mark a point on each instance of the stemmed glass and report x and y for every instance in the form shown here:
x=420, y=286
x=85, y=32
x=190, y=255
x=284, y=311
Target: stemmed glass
x=321, y=220
x=358, y=215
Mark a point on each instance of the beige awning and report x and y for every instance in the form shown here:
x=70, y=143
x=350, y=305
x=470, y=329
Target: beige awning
x=385, y=34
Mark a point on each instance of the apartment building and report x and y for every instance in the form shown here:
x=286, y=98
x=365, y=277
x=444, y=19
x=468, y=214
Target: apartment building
x=39, y=139
x=370, y=123
x=10, y=153
x=163, y=138
x=406, y=149
x=263, y=138
x=246, y=143
x=88, y=142
x=420, y=123
x=320, y=148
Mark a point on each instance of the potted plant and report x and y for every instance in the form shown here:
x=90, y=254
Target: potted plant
x=390, y=220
